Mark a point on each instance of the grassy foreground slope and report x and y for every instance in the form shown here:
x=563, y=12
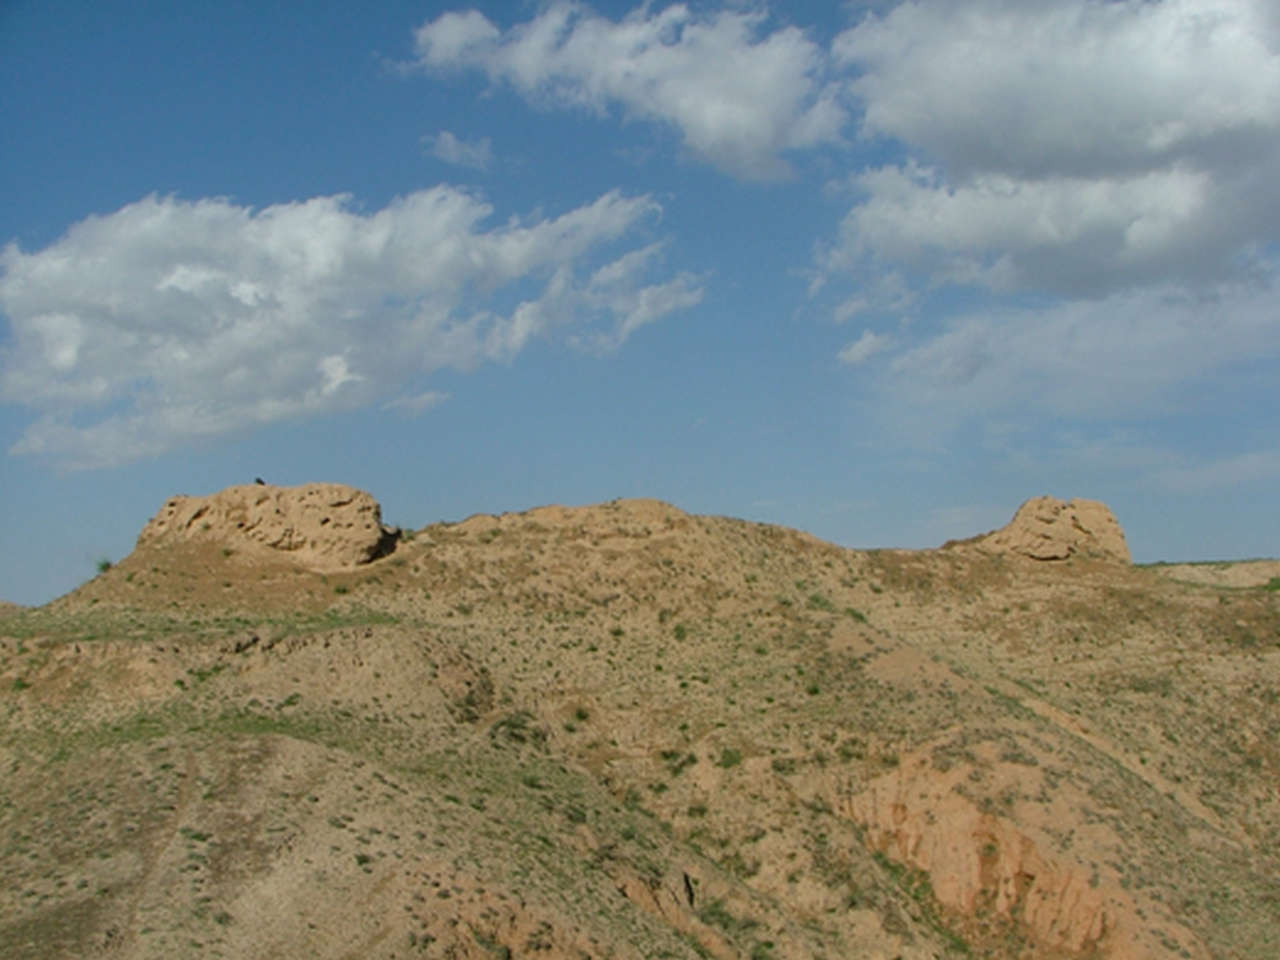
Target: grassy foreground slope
x=625, y=731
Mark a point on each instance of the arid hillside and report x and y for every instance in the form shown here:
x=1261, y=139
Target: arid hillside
x=280, y=728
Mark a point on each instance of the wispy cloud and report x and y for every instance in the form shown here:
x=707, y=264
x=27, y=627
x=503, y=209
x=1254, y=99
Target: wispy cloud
x=614, y=290
x=418, y=403
x=170, y=320
x=1127, y=355
x=476, y=155
x=865, y=347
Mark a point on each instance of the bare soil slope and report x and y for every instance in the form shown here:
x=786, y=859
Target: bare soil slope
x=626, y=731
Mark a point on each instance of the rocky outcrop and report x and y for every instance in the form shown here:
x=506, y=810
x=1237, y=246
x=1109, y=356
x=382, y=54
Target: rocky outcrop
x=324, y=526
x=1047, y=528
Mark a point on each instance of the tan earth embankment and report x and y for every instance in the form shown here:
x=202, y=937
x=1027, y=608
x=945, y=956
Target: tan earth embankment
x=323, y=526
x=1046, y=528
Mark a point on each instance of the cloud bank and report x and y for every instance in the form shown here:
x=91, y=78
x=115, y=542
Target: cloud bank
x=1090, y=148
x=170, y=320
x=1099, y=175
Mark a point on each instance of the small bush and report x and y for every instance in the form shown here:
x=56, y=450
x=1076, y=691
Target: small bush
x=715, y=914
x=677, y=762
x=729, y=757
x=518, y=728
x=851, y=749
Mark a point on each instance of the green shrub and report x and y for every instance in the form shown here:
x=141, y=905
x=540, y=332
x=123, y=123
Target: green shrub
x=677, y=761
x=518, y=728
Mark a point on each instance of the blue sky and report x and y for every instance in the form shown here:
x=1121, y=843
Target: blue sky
x=880, y=271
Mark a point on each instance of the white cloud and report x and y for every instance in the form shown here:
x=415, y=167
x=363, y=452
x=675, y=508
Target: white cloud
x=740, y=96
x=453, y=36
x=1065, y=87
x=1071, y=147
x=1073, y=237
x=864, y=348
x=171, y=320
x=447, y=147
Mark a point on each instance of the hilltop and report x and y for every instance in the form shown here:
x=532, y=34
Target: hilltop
x=280, y=728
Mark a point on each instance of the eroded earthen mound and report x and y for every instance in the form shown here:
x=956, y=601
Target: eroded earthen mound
x=325, y=526
x=1047, y=528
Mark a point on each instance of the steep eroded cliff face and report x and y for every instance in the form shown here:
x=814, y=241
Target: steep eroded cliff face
x=986, y=865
